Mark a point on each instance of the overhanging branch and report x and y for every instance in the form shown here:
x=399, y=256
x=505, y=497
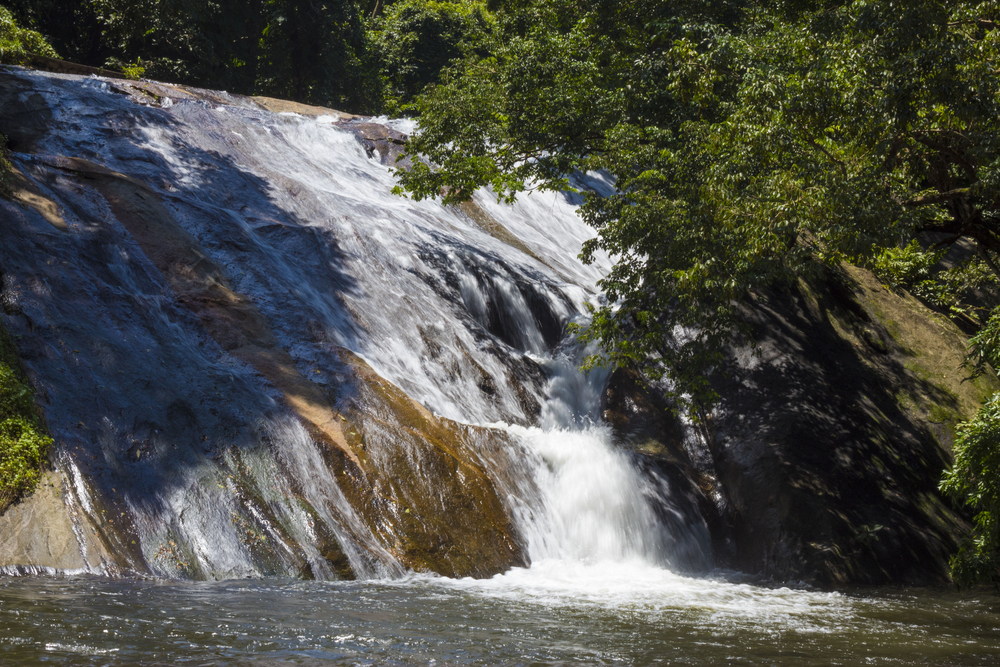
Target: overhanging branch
x=937, y=198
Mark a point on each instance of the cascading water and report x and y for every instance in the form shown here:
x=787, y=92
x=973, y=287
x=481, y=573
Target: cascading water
x=463, y=309
x=467, y=321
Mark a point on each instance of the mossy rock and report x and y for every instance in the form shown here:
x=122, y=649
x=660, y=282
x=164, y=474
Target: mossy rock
x=830, y=442
x=23, y=444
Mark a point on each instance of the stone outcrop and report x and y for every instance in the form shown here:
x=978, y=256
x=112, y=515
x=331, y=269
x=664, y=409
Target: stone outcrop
x=828, y=443
x=821, y=461
x=422, y=487
x=159, y=378
x=41, y=534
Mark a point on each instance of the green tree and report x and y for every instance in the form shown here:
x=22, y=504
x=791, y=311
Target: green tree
x=749, y=144
x=190, y=41
x=416, y=39
x=316, y=51
x=17, y=42
x=306, y=50
x=70, y=26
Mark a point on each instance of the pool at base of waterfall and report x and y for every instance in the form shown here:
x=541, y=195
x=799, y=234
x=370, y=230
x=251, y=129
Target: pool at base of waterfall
x=553, y=613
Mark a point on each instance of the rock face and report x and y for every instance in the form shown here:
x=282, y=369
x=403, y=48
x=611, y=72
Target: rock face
x=828, y=447
x=456, y=525
x=39, y=534
x=209, y=433
x=646, y=424
x=822, y=459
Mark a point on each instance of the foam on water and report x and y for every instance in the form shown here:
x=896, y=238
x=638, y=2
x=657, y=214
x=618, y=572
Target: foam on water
x=639, y=587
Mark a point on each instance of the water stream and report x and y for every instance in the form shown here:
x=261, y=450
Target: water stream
x=472, y=326
x=567, y=616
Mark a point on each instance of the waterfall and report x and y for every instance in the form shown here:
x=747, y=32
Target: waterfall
x=593, y=505
x=300, y=257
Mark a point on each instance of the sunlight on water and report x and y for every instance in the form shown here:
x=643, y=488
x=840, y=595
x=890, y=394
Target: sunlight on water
x=636, y=586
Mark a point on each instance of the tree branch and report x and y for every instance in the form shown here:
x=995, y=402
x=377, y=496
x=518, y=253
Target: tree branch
x=984, y=253
x=936, y=198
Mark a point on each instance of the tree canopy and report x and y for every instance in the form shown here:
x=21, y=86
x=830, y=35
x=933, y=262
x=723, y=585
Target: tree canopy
x=749, y=143
x=16, y=42
x=308, y=50
x=416, y=39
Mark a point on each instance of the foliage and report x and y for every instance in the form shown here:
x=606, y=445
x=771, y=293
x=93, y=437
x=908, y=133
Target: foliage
x=416, y=39
x=984, y=347
x=743, y=150
x=975, y=481
x=316, y=52
x=950, y=290
x=748, y=143
x=308, y=50
x=16, y=42
x=70, y=26
x=23, y=443
x=23, y=450
x=134, y=71
x=906, y=267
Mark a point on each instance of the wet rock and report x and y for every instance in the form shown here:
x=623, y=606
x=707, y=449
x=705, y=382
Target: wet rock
x=413, y=478
x=39, y=533
x=492, y=226
x=646, y=423
x=826, y=445
x=285, y=106
x=822, y=459
x=423, y=487
x=24, y=115
x=380, y=142
x=65, y=67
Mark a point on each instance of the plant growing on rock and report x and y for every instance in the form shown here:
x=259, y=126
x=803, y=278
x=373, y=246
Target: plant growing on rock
x=973, y=480
x=16, y=43
x=24, y=445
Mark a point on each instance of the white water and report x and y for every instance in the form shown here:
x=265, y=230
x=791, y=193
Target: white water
x=305, y=224
x=583, y=502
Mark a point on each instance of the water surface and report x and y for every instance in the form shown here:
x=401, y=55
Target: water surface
x=554, y=613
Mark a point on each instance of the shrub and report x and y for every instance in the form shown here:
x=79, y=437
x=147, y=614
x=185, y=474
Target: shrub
x=16, y=42
x=416, y=39
x=907, y=266
x=23, y=443
x=23, y=451
x=975, y=481
x=951, y=291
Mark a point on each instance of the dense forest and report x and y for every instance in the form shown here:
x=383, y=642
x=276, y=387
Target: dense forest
x=751, y=143
x=365, y=57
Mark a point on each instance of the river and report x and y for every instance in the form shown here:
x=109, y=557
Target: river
x=549, y=614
